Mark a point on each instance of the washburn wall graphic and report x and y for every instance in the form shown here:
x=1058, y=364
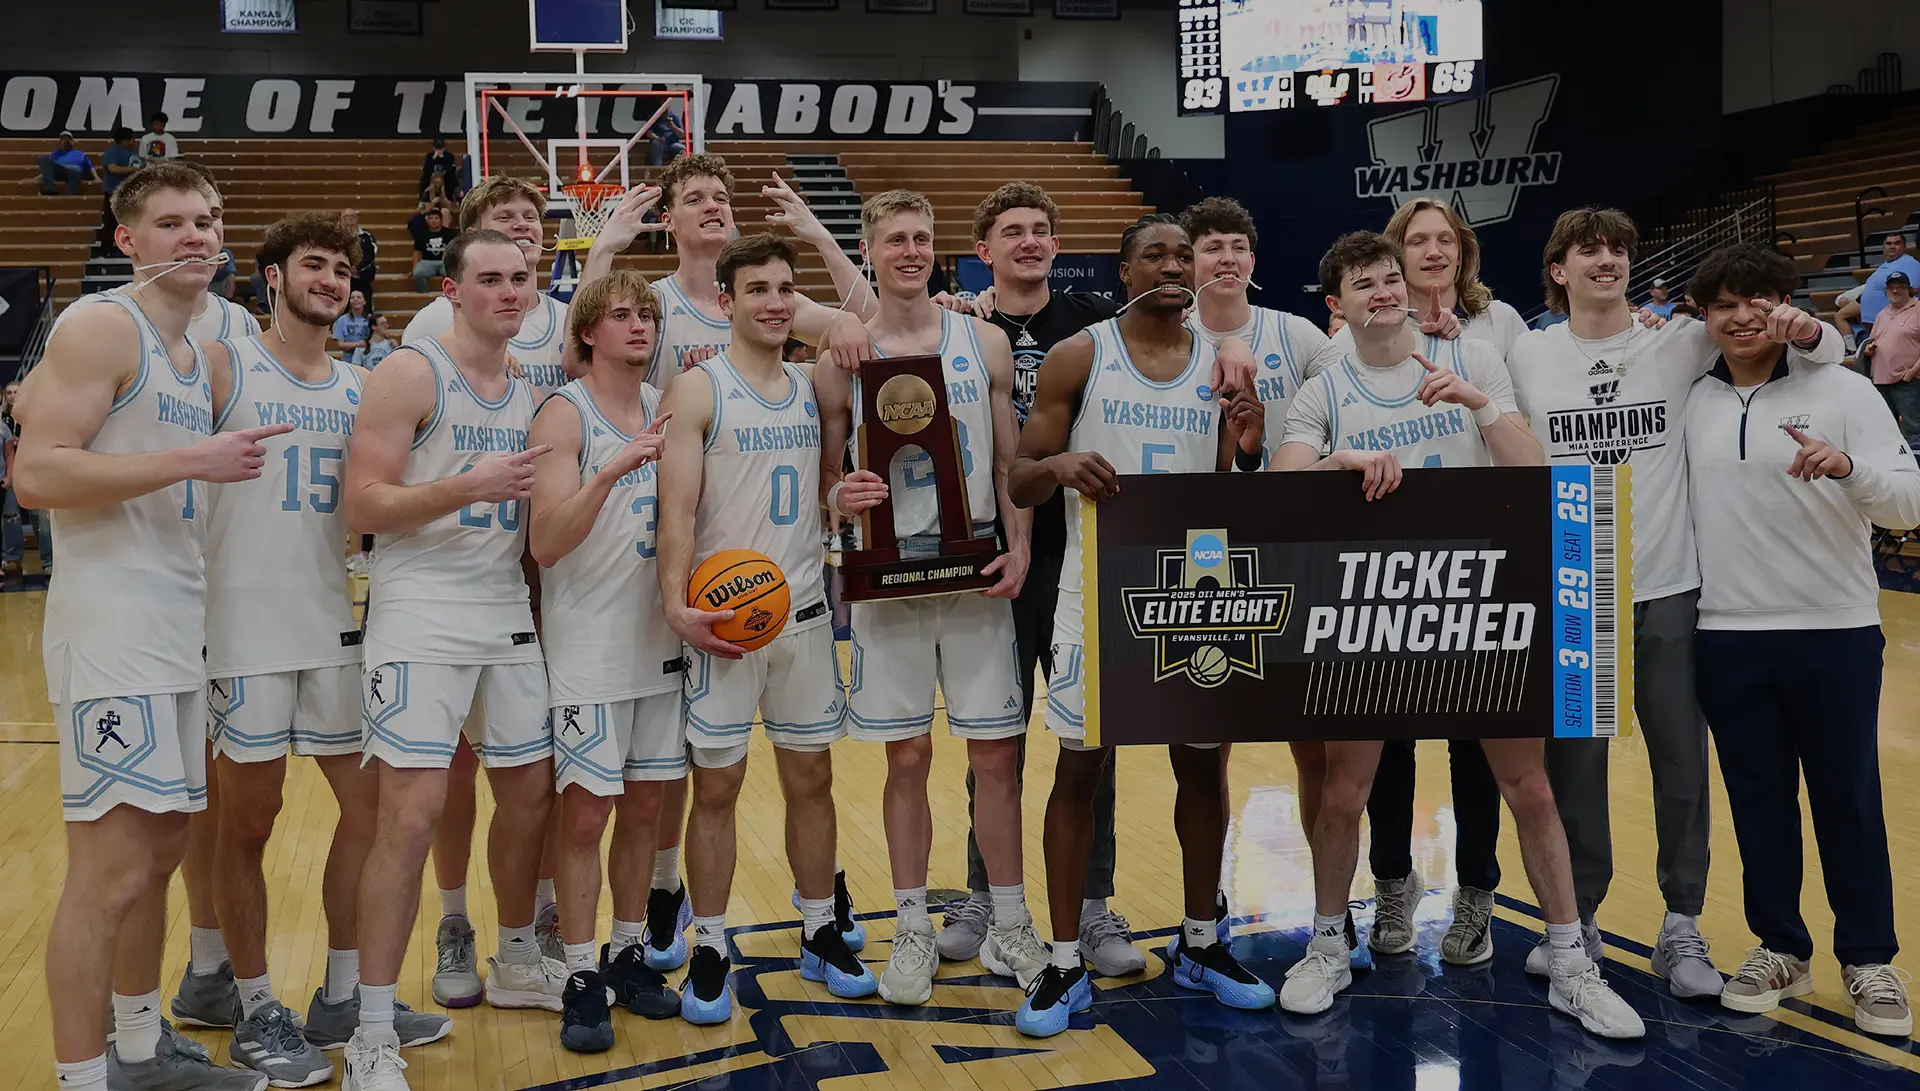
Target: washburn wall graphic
x=1470, y=603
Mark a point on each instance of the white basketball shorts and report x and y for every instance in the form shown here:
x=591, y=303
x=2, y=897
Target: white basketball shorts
x=601, y=747
x=312, y=713
x=900, y=648
x=148, y=752
x=414, y=713
x=794, y=683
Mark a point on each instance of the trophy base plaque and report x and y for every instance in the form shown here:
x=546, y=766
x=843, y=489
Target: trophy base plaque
x=869, y=575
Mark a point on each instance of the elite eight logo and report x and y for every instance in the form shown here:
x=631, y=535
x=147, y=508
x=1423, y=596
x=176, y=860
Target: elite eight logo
x=1208, y=611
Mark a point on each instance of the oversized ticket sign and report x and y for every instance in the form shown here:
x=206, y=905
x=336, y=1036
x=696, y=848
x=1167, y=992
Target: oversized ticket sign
x=1468, y=603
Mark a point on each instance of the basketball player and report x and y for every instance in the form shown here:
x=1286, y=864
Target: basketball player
x=1790, y=643
x=619, y=729
x=741, y=471
x=1602, y=388
x=1442, y=276
x=1381, y=403
x=118, y=425
x=1145, y=359
x=1014, y=232
x=288, y=679
x=964, y=640
x=438, y=467
x=1224, y=241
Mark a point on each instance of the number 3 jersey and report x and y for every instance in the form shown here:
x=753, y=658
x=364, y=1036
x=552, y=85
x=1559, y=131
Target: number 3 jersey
x=1140, y=427
x=606, y=637
x=277, y=597
x=452, y=591
x=761, y=485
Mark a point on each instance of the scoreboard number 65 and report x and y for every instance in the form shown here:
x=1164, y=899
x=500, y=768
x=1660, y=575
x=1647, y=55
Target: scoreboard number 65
x=1452, y=78
x=1202, y=93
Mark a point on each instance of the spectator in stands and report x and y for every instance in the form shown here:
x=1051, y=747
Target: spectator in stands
x=1658, y=301
x=429, y=247
x=666, y=140
x=1893, y=258
x=158, y=144
x=365, y=273
x=352, y=330
x=436, y=195
x=441, y=164
x=65, y=163
x=121, y=159
x=380, y=341
x=1893, y=352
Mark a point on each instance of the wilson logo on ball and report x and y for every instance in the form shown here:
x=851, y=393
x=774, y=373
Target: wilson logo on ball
x=738, y=585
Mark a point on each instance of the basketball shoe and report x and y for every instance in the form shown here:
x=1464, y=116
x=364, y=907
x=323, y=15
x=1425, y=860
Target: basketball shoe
x=1540, y=959
x=207, y=1000
x=1469, y=938
x=331, y=1026
x=374, y=1064
x=270, y=1042
x=964, y=928
x=1052, y=1001
x=1313, y=982
x=908, y=978
x=173, y=1067
x=546, y=931
x=1107, y=940
x=825, y=957
x=537, y=984
x=664, y=941
x=456, y=981
x=1394, y=904
x=586, y=1023
x=706, y=999
x=635, y=985
x=1581, y=992
x=1015, y=952
x=851, y=931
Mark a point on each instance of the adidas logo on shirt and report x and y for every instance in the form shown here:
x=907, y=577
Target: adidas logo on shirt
x=1349, y=399
x=1113, y=366
x=453, y=385
x=1601, y=368
x=258, y=367
x=679, y=310
x=734, y=393
x=1012, y=702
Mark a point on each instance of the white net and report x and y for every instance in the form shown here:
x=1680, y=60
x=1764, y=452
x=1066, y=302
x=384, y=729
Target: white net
x=593, y=204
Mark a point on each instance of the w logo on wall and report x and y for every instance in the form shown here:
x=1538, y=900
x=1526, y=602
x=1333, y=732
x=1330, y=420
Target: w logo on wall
x=1474, y=154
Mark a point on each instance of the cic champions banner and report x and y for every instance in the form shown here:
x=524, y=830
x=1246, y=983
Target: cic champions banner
x=1469, y=603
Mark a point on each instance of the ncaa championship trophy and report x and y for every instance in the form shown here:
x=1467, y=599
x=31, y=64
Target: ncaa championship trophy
x=903, y=403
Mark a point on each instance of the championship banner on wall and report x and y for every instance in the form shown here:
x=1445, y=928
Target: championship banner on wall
x=1470, y=603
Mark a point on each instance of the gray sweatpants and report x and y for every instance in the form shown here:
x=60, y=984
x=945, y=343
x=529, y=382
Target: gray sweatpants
x=1676, y=736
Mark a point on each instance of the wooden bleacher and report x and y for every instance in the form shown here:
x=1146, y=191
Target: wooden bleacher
x=262, y=180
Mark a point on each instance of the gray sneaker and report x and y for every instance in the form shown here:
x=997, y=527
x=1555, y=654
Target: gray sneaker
x=1540, y=959
x=1469, y=939
x=964, y=928
x=269, y=1041
x=1395, y=901
x=1879, y=994
x=182, y=1043
x=207, y=1000
x=546, y=931
x=174, y=1069
x=1681, y=957
x=456, y=978
x=331, y=1026
x=1106, y=939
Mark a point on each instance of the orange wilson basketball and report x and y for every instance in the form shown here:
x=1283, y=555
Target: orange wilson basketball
x=750, y=585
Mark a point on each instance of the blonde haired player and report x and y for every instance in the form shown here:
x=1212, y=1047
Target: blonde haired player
x=742, y=470
x=966, y=641
x=438, y=470
x=614, y=667
x=119, y=422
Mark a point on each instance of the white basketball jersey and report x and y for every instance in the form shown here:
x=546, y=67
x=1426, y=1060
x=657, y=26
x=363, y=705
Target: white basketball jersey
x=606, y=635
x=218, y=320
x=538, y=347
x=277, y=597
x=1140, y=427
x=126, y=612
x=683, y=328
x=1283, y=344
x=761, y=487
x=916, y=508
x=1364, y=408
x=452, y=591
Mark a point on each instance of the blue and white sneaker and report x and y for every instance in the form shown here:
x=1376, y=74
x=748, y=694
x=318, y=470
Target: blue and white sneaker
x=824, y=957
x=705, y=998
x=852, y=931
x=1055, y=997
x=1213, y=969
x=664, y=941
x=1221, y=914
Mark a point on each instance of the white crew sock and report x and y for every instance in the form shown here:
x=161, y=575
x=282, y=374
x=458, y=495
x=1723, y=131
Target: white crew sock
x=207, y=949
x=543, y=895
x=1567, y=946
x=580, y=956
x=815, y=914
x=711, y=932
x=910, y=908
x=453, y=903
x=1195, y=933
x=1009, y=905
x=1332, y=928
x=625, y=934
x=1066, y=954
x=518, y=946
x=254, y=992
x=376, y=1008
x=136, y=1026
x=343, y=975
x=90, y=1075
x=666, y=869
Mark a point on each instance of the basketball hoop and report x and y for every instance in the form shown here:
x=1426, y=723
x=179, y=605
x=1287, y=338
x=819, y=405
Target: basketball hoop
x=593, y=204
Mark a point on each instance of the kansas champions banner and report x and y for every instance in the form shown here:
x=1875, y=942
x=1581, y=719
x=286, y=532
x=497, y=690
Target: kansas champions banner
x=1471, y=603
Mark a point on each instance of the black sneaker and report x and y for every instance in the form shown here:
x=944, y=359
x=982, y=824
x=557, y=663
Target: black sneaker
x=1214, y=969
x=706, y=999
x=825, y=957
x=586, y=1025
x=851, y=930
x=637, y=987
x=665, y=939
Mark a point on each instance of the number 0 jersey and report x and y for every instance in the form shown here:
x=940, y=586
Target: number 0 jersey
x=277, y=597
x=452, y=591
x=605, y=634
x=761, y=485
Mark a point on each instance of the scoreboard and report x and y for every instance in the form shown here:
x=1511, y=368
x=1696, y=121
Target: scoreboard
x=1246, y=55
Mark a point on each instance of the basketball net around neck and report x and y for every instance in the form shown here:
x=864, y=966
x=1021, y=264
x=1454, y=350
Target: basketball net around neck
x=218, y=260
x=1193, y=294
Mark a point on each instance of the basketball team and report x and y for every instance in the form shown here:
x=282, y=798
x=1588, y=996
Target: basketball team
x=546, y=482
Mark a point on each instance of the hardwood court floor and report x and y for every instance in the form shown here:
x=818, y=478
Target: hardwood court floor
x=1408, y=1024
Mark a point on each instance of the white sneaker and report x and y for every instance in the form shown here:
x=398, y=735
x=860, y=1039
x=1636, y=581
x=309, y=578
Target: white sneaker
x=1540, y=959
x=1015, y=952
x=1582, y=993
x=1315, y=980
x=1107, y=941
x=908, y=978
x=964, y=928
x=526, y=985
x=374, y=1064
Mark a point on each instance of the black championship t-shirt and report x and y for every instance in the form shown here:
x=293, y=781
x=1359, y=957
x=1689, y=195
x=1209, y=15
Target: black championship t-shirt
x=1031, y=336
